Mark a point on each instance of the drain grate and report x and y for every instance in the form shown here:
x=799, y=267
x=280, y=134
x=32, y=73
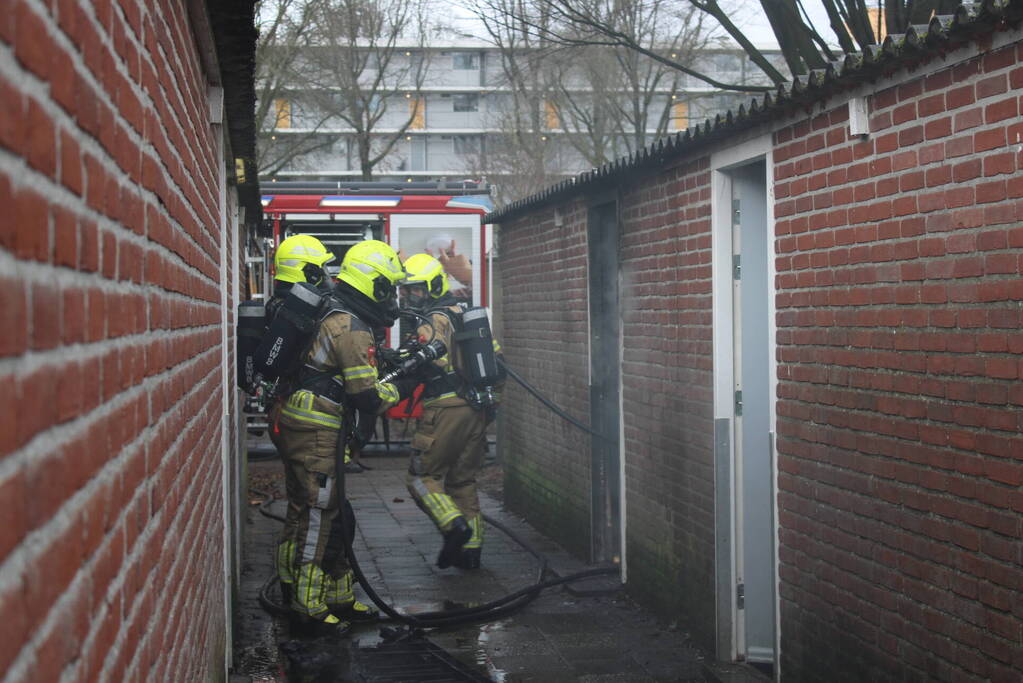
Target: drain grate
x=409, y=661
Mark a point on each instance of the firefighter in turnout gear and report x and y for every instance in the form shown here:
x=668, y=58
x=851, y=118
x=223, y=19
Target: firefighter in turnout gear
x=333, y=378
x=450, y=441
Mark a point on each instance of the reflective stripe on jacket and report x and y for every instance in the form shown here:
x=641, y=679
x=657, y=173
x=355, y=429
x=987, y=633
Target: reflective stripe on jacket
x=342, y=344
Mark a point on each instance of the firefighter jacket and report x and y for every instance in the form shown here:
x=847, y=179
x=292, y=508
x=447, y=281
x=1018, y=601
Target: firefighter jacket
x=446, y=386
x=337, y=370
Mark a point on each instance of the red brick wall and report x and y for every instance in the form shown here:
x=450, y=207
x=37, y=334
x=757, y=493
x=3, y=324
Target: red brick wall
x=899, y=412
x=667, y=385
x=544, y=336
x=110, y=306
x=900, y=360
x=666, y=313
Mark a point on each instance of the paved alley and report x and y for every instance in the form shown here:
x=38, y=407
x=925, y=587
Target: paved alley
x=560, y=636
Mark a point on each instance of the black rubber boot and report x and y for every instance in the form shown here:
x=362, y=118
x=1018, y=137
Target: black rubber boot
x=469, y=559
x=311, y=627
x=454, y=538
x=354, y=611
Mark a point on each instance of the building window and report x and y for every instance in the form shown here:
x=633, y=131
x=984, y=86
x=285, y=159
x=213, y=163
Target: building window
x=464, y=61
x=552, y=118
x=282, y=113
x=466, y=145
x=727, y=61
x=415, y=63
x=680, y=115
x=417, y=110
x=465, y=102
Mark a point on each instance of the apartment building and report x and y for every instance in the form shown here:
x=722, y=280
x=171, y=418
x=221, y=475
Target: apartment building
x=456, y=120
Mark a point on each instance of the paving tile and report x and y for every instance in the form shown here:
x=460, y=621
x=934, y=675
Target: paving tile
x=551, y=665
x=558, y=637
x=603, y=665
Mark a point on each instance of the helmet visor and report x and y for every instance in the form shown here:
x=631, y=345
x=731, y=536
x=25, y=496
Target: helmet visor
x=384, y=289
x=414, y=295
x=314, y=274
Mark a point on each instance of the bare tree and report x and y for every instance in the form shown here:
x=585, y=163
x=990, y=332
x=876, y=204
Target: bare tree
x=609, y=23
x=365, y=70
x=670, y=29
x=517, y=165
x=600, y=99
x=284, y=32
x=606, y=22
x=850, y=20
x=521, y=158
x=630, y=97
x=584, y=101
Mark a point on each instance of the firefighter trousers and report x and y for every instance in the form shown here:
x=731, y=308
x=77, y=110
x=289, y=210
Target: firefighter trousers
x=310, y=558
x=447, y=454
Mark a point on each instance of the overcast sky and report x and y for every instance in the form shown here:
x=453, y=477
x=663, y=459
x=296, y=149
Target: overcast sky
x=759, y=29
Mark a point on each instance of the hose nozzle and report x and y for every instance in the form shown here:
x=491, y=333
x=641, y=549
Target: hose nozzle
x=416, y=359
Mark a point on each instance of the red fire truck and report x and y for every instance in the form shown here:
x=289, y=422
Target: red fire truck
x=442, y=218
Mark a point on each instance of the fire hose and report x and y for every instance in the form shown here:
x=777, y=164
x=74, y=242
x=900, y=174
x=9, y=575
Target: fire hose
x=485, y=612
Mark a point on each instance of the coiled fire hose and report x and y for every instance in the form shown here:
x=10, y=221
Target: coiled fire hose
x=484, y=612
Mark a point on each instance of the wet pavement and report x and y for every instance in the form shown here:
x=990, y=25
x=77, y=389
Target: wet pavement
x=560, y=636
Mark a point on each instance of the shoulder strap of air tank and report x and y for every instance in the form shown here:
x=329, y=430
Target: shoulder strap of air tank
x=334, y=306
x=451, y=381
x=454, y=316
x=307, y=377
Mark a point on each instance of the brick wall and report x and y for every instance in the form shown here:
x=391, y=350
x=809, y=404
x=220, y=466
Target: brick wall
x=544, y=327
x=667, y=393
x=665, y=266
x=111, y=292
x=900, y=360
x=899, y=349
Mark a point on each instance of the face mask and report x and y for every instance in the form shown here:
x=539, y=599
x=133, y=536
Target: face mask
x=414, y=296
x=389, y=309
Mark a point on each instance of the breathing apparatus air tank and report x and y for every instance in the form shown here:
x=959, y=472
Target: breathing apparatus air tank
x=289, y=331
x=251, y=323
x=478, y=359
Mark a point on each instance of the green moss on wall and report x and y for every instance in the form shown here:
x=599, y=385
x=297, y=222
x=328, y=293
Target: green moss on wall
x=547, y=505
x=667, y=579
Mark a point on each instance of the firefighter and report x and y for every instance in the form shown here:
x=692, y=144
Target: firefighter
x=450, y=441
x=335, y=378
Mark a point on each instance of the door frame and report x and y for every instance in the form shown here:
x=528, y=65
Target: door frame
x=729, y=638
x=607, y=546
